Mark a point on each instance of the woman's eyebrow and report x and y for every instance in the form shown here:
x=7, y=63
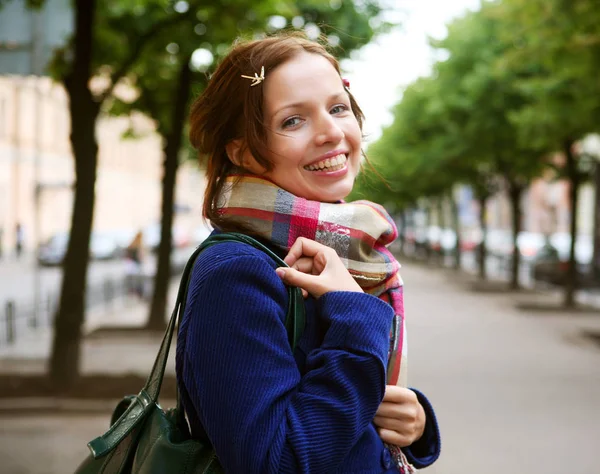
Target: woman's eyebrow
x=293, y=105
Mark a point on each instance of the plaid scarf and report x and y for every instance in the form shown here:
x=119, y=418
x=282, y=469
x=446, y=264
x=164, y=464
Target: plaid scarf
x=359, y=232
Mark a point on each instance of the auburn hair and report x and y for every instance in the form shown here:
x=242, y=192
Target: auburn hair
x=230, y=108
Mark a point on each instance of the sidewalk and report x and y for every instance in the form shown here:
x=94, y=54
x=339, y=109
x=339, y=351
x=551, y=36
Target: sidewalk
x=99, y=354
x=497, y=282
x=56, y=429
x=514, y=391
x=9, y=263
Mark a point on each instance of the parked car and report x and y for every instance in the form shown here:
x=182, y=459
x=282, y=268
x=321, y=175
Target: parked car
x=415, y=239
x=551, y=263
x=530, y=243
x=549, y=268
x=441, y=240
x=499, y=244
x=434, y=238
x=103, y=246
x=52, y=252
x=469, y=238
x=584, y=246
x=179, y=237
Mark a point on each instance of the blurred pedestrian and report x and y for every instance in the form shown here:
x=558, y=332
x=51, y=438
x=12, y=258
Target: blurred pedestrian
x=19, y=240
x=282, y=134
x=134, y=264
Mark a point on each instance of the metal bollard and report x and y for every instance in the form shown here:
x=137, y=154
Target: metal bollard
x=49, y=308
x=10, y=322
x=33, y=320
x=108, y=293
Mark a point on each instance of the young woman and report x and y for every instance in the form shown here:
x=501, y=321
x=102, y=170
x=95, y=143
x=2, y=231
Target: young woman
x=282, y=135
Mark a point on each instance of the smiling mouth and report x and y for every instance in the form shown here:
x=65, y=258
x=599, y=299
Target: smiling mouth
x=330, y=164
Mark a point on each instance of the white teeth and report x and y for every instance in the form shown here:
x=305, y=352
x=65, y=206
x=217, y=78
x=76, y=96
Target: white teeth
x=334, y=162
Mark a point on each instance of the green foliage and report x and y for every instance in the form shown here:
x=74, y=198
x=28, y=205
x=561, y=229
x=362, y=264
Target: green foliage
x=458, y=125
x=348, y=25
x=213, y=27
x=483, y=99
x=555, y=59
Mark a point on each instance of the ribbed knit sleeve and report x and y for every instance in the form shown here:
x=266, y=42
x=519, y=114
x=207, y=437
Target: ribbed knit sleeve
x=425, y=451
x=260, y=413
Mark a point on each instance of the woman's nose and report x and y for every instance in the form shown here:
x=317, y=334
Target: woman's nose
x=328, y=131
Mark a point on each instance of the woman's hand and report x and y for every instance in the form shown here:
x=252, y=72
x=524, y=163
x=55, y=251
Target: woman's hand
x=316, y=269
x=400, y=419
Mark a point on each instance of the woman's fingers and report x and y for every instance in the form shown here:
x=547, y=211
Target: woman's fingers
x=388, y=423
x=393, y=437
x=395, y=394
x=309, y=283
x=304, y=247
x=399, y=411
x=404, y=433
x=304, y=265
x=316, y=268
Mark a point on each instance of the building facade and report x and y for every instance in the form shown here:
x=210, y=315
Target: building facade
x=37, y=168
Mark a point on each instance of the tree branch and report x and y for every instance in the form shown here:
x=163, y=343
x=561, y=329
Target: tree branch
x=139, y=45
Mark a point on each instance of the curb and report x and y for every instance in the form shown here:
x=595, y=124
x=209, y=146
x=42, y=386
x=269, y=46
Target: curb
x=50, y=405
x=36, y=406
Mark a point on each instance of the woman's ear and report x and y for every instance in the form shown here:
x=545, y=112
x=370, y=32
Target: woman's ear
x=240, y=155
x=234, y=152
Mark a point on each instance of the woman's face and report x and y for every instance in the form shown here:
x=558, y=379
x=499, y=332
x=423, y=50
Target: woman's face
x=313, y=138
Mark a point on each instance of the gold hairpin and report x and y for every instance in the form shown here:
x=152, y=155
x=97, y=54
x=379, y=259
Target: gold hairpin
x=256, y=79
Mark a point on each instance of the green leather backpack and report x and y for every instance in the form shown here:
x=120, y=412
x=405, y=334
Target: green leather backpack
x=145, y=439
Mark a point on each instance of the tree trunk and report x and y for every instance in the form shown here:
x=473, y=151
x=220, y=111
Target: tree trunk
x=482, y=247
x=596, y=254
x=402, y=233
x=515, y=192
x=456, y=228
x=65, y=356
x=428, y=224
x=158, y=307
x=573, y=174
x=442, y=225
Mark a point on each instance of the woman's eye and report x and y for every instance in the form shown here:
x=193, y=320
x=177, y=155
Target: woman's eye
x=336, y=109
x=291, y=122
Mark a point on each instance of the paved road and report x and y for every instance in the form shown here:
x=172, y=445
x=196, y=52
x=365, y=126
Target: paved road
x=498, y=268
x=514, y=392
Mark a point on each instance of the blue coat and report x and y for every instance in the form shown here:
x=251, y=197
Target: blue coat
x=266, y=409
